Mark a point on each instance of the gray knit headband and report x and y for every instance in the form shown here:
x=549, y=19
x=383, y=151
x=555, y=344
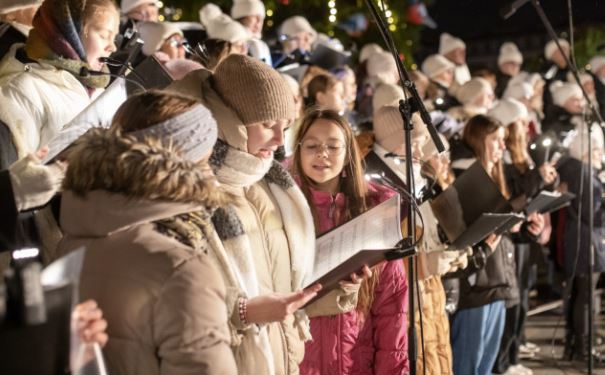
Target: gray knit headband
x=193, y=132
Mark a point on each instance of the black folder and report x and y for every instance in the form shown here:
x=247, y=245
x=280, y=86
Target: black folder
x=548, y=201
x=150, y=74
x=472, y=208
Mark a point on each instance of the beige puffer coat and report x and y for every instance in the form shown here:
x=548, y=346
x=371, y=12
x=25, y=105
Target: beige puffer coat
x=146, y=261
x=277, y=265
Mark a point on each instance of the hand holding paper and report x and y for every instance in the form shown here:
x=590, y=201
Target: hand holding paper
x=275, y=307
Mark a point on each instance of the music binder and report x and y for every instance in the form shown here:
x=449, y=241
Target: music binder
x=549, y=201
x=366, y=240
x=99, y=113
x=472, y=208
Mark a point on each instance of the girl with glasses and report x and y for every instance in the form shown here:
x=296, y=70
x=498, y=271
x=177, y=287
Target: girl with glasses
x=371, y=338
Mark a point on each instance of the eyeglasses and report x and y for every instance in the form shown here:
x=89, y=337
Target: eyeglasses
x=172, y=42
x=312, y=147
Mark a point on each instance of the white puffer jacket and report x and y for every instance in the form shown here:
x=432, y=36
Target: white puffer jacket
x=37, y=100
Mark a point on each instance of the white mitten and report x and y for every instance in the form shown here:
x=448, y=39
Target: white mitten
x=34, y=184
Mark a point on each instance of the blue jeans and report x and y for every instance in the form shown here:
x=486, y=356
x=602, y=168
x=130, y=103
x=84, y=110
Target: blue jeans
x=475, y=335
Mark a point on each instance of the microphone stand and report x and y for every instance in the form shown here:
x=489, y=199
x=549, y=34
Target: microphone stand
x=596, y=115
x=406, y=108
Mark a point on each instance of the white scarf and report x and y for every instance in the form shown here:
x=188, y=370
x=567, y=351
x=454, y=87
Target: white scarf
x=240, y=169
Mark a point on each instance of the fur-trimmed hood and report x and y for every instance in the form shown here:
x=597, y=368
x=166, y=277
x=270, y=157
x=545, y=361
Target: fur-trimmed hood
x=115, y=181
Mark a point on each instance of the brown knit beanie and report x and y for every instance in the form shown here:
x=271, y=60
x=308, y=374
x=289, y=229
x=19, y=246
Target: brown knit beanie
x=388, y=127
x=254, y=90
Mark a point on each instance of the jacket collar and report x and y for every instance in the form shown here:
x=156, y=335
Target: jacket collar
x=100, y=213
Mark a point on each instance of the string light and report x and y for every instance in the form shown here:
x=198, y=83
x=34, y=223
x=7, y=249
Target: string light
x=333, y=11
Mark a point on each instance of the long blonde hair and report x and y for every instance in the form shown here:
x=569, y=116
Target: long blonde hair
x=352, y=184
x=516, y=143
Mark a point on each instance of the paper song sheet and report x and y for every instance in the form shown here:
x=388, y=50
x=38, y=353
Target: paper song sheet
x=378, y=228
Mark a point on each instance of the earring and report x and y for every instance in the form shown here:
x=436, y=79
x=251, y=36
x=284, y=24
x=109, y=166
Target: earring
x=343, y=174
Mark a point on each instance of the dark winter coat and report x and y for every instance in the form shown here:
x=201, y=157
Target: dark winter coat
x=570, y=171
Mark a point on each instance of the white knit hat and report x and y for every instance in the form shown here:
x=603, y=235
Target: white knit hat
x=386, y=94
x=368, y=50
x=448, y=43
x=518, y=91
x=510, y=53
x=435, y=65
x=244, y=8
x=563, y=91
x=128, y=5
x=220, y=26
x=584, y=78
x=596, y=63
x=295, y=25
x=578, y=147
x=155, y=33
x=380, y=63
x=472, y=89
x=508, y=111
x=179, y=68
x=551, y=47
x=7, y=6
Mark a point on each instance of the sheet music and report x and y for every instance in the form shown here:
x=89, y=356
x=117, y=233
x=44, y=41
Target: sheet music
x=377, y=228
x=98, y=114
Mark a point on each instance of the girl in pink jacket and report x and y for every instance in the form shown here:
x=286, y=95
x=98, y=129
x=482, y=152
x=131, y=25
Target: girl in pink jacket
x=371, y=339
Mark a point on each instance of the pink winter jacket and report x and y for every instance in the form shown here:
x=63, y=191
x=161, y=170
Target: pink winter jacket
x=348, y=344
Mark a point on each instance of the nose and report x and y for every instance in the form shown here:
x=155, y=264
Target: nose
x=112, y=47
x=278, y=135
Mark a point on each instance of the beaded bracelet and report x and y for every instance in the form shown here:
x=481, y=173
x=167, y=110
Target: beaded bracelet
x=243, y=310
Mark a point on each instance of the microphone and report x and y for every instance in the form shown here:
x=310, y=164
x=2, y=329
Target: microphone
x=393, y=155
x=85, y=72
x=510, y=9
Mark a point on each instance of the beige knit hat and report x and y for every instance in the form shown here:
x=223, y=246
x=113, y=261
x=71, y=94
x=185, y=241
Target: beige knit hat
x=295, y=25
x=245, y=8
x=254, y=90
x=368, y=50
x=596, y=63
x=509, y=52
x=7, y=6
x=563, y=91
x=448, y=43
x=518, y=91
x=435, y=65
x=472, y=89
x=128, y=5
x=381, y=64
x=155, y=33
x=508, y=111
x=386, y=94
x=584, y=78
x=430, y=149
x=551, y=47
x=388, y=128
x=220, y=26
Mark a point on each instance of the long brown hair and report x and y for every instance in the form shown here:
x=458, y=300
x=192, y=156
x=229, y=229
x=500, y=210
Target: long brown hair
x=353, y=184
x=516, y=143
x=476, y=130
